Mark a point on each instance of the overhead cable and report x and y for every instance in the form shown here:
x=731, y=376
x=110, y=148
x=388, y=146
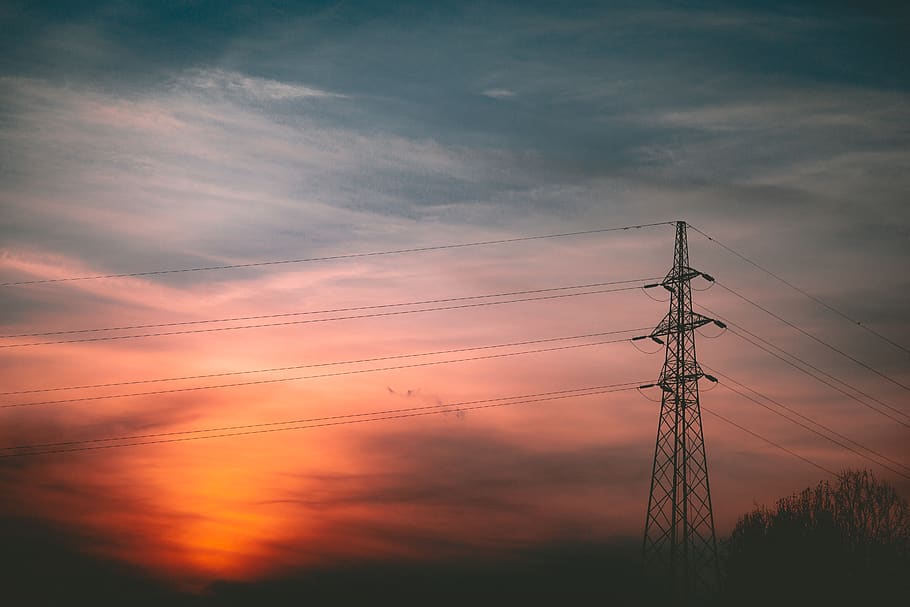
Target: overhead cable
x=318, y=376
x=299, y=424
x=324, y=311
x=317, y=320
x=862, y=364
x=767, y=440
x=738, y=330
x=821, y=302
x=333, y=257
x=325, y=364
x=729, y=380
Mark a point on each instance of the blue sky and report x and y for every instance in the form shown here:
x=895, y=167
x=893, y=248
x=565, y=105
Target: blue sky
x=591, y=112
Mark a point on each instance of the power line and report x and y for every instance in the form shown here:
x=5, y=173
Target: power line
x=333, y=257
x=811, y=366
x=812, y=421
x=767, y=440
x=318, y=320
x=328, y=364
x=801, y=360
x=353, y=418
x=322, y=375
x=347, y=419
x=805, y=293
x=732, y=389
x=313, y=419
x=327, y=311
x=337, y=420
x=820, y=380
x=817, y=339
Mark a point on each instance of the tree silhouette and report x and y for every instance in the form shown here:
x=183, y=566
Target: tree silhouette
x=840, y=543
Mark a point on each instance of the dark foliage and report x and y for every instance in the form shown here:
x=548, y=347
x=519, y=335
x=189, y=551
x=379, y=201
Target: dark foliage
x=840, y=543
x=557, y=574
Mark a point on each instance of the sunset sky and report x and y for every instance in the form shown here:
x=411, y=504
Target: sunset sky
x=138, y=137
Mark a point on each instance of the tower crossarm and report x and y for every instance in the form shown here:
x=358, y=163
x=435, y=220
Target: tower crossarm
x=670, y=325
x=684, y=274
x=666, y=383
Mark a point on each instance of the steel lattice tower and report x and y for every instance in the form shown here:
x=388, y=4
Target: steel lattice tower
x=679, y=542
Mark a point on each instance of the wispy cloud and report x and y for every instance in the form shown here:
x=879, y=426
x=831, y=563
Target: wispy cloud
x=870, y=113
x=258, y=89
x=498, y=93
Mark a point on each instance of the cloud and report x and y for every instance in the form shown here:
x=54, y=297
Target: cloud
x=860, y=112
x=492, y=491
x=257, y=89
x=214, y=162
x=498, y=93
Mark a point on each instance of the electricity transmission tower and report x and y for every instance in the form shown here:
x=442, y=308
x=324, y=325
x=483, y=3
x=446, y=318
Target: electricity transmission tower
x=679, y=541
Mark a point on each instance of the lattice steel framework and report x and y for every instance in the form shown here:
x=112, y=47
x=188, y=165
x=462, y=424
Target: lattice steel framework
x=679, y=540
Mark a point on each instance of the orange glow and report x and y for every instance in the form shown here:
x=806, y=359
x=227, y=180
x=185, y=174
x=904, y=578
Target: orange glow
x=245, y=507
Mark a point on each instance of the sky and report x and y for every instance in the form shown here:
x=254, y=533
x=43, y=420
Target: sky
x=138, y=137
